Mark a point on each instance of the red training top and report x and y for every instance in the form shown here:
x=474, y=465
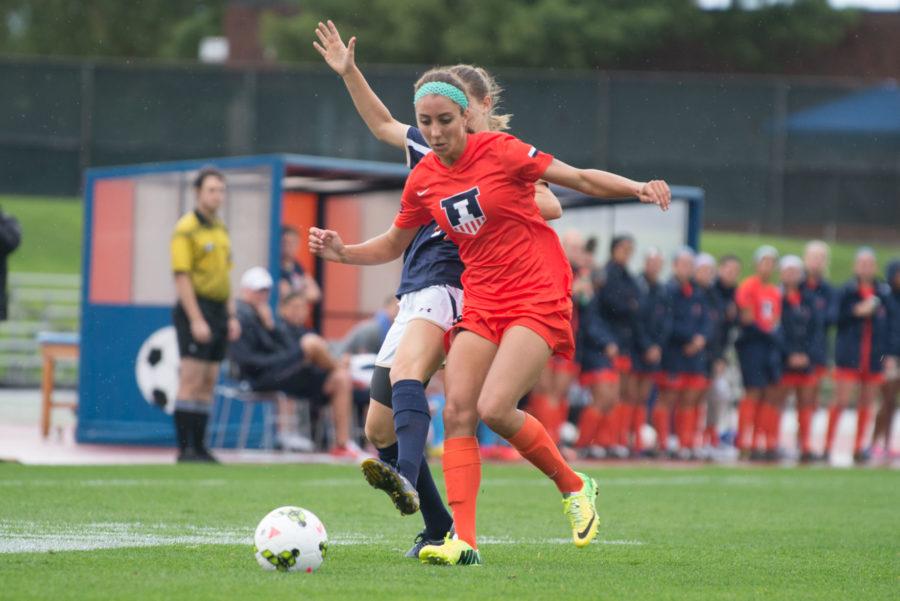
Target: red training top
x=485, y=204
x=765, y=299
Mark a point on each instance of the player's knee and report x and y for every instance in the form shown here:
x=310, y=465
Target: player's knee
x=341, y=378
x=380, y=434
x=459, y=416
x=494, y=414
x=407, y=368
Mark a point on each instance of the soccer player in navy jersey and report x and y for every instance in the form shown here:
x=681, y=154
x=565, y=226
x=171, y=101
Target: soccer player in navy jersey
x=800, y=323
x=619, y=302
x=652, y=330
x=431, y=301
x=881, y=436
x=683, y=381
x=860, y=346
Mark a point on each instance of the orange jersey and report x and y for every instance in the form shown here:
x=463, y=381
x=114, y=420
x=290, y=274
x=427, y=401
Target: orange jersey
x=764, y=299
x=485, y=204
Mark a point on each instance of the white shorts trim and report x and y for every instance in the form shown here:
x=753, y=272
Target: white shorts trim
x=441, y=305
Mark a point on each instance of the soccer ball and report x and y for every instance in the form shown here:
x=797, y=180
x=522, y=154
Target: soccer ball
x=290, y=539
x=156, y=369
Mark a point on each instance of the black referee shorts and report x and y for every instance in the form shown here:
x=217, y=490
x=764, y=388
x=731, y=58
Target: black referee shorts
x=216, y=315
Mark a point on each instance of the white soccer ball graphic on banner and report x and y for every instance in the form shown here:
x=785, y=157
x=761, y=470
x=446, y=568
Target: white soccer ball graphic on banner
x=156, y=369
x=290, y=539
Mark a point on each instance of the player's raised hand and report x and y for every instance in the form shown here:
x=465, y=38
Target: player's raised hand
x=657, y=192
x=326, y=244
x=338, y=56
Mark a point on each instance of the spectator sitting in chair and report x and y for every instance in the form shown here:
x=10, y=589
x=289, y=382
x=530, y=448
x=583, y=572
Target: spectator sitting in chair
x=367, y=335
x=302, y=368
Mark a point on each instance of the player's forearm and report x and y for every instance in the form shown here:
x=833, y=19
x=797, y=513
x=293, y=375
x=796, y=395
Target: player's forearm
x=607, y=185
x=186, y=296
x=369, y=106
x=375, y=251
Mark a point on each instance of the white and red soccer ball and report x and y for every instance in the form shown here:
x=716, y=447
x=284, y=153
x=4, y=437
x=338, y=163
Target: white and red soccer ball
x=290, y=539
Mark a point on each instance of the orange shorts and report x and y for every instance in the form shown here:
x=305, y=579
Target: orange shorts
x=564, y=366
x=555, y=328
x=599, y=376
x=793, y=379
x=846, y=374
x=622, y=363
x=675, y=381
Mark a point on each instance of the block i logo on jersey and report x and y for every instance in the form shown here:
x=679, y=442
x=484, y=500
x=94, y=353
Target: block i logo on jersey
x=464, y=212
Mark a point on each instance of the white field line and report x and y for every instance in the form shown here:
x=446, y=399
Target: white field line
x=338, y=482
x=42, y=537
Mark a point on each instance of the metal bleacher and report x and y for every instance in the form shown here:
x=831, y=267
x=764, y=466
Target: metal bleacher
x=38, y=302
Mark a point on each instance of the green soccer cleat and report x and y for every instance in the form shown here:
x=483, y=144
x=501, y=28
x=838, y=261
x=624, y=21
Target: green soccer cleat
x=453, y=552
x=385, y=477
x=581, y=509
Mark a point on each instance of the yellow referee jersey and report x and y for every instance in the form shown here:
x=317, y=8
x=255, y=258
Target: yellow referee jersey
x=202, y=249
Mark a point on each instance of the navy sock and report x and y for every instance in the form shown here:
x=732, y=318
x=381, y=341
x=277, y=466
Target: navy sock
x=388, y=454
x=437, y=518
x=411, y=420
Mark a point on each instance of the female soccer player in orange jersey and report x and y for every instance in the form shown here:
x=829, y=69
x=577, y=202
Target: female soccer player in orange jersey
x=431, y=300
x=479, y=188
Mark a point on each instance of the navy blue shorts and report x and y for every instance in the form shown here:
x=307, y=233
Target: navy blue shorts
x=760, y=364
x=639, y=366
x=595, y=360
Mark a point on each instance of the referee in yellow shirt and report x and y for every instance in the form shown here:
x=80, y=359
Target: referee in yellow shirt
x=204, y=315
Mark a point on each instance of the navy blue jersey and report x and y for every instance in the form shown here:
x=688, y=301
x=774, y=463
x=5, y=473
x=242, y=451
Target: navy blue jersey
x=850, y=340
x=619, y=304
x=800, y=324
x=653, y=323
x=892, y=303
x=825, y=297
x=718, y=305
x=430, y=259
x=690, y=316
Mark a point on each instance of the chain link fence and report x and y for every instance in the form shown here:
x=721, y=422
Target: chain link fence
x=725, y=133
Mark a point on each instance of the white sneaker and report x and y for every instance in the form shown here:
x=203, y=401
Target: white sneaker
x=295, y=442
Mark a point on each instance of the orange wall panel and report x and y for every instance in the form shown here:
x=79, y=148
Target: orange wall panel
x=112, y=233
x=300, y=210
x=341, y=293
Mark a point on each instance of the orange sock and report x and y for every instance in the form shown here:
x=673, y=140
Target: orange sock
x=539, y=407
x=640, y=418
x=746, y=414
x=606, y=432
x=557, y=415
x=834, y=416
x=759, y=425
x=804, y=422
x=462, y=476
x=588, y=425
x=535, y=445
x=683, y=418
x=693, y=426
x=660, y=418
x=864, y=414
x=773, y=427
x=626, y=416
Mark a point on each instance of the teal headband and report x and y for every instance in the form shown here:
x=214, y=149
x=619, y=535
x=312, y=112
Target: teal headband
x=441, y=88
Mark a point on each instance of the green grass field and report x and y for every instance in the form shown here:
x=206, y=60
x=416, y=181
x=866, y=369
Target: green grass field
x=704, y=533
x=51, y=233
x=53, y=227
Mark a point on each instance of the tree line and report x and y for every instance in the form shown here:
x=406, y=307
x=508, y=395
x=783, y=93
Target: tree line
x=748, y=35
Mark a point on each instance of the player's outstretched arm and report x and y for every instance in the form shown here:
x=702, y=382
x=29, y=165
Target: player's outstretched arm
x=342, y=59
x=607, y=185
x=384, y=248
